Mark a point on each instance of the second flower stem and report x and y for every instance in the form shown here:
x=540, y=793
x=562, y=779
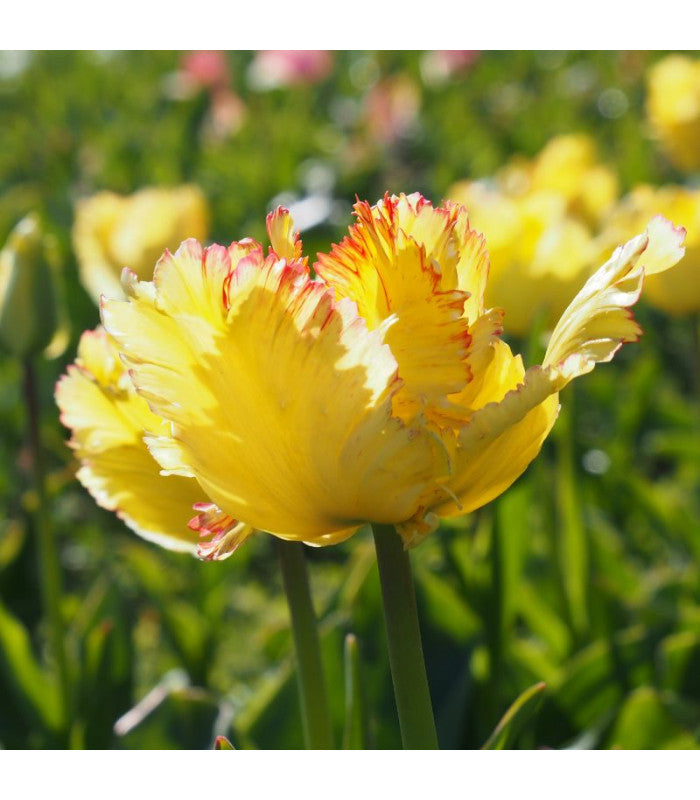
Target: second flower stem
x=405, y=648
x=312, y=690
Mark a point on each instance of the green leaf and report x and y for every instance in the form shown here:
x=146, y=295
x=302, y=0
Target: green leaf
x=444, y=607
x=512, y=536
x=515, y=719
x=107, y=674
x=573, y=541
x=35, y=690
x=679, y=663
x=190, y=633
x=592, y=686
x=646, y=723
x=543, y=620
x=12, y=536
x=270, y=716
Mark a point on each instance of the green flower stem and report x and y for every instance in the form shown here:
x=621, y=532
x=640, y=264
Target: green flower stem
x=49, y=565
x=405, y=649
x=312, y=690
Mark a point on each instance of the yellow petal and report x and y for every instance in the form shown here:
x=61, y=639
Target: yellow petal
x=597, y=321
x=107, y=419
x=539, y=252
x=568, y=165
x=113, y=231
x=280, y=398
x=501, y=437
x=286, y=242
x=424, y=270
x=675, y=291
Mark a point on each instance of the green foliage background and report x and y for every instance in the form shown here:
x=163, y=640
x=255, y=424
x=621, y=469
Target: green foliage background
x=584, y=575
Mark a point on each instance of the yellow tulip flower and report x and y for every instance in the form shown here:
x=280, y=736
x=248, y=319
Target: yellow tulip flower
x=568, y=167
x=379, y=391
x=673, y=108
x=539, y=217
x=676, y=291
x=112, y=231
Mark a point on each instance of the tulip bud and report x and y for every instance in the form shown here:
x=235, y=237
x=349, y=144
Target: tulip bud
x=28, y=302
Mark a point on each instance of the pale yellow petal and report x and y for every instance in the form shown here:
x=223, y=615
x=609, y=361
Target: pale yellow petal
x=285, y=241
x=108, y=420
x=598, y=321
x=673, y=107
x=514, y=410
x=502, y=436
x=568, y=165
x=675, y=291
x=488, y=453
x=94, y=220
x=538, y=253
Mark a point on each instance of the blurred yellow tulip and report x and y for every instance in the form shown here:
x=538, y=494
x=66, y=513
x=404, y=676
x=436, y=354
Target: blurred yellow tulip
x=539, y=253
x=539, y=218
x=676, y=291
x=568, y=167
x=673, y=108
x=378, y=392
x=113, y=231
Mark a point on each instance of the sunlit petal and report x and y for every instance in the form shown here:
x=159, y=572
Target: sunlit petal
x=597, y=321
x=425, y=270
x=280, y=398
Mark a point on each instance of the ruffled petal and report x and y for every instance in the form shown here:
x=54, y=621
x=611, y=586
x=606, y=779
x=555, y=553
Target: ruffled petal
x=280, y=398
x=515, y=409
x=108, y=419
x=400, y=263
x=598, y=322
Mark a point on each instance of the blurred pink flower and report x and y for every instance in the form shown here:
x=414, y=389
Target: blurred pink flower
x=226, y=114
x=277, y=68
x=206, y=69
x=391, y=108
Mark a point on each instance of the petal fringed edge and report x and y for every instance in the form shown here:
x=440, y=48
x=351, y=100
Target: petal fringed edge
x=107, y=420
x=391, y=265
x=598, y=321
